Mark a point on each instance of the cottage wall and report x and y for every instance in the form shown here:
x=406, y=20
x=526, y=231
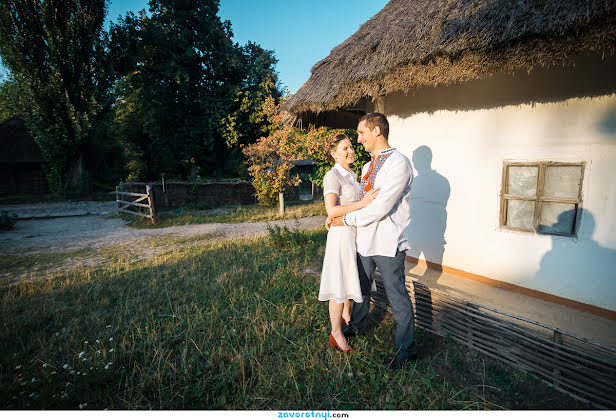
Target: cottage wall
x=565, y=115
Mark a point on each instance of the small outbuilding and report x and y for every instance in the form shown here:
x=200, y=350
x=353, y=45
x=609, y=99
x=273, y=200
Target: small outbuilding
x=507, y=110
x=21, y=171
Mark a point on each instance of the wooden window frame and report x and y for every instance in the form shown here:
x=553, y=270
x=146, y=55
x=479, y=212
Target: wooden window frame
x=538, y=197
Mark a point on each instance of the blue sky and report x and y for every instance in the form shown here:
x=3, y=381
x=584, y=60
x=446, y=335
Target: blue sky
x=300, y=32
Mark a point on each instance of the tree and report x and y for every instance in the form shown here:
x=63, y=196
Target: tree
x=55, y=52
x=270, y=159
x=11, y=99
x=187, y=97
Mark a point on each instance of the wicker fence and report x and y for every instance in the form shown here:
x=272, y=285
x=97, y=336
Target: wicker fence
x=573, y=365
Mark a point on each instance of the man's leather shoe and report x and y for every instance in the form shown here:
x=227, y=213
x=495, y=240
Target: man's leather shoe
x=399, y=361
x=348, y=332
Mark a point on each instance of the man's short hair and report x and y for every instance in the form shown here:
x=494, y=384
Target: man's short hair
x=375, y=119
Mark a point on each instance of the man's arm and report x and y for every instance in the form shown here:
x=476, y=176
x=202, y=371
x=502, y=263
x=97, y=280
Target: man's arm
x=398, y=177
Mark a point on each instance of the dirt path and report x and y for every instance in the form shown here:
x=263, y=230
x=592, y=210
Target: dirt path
x=36, y=248
x=97, y=232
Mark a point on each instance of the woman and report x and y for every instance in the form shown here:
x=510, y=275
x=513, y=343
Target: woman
x=339, y=278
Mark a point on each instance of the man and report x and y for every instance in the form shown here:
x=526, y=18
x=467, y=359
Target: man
x=381, y=241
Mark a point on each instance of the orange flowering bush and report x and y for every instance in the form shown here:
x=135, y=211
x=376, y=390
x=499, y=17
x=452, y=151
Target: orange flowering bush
x=270, y=159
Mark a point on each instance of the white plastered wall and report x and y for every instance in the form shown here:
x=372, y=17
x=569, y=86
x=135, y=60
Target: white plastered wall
x=470, y=138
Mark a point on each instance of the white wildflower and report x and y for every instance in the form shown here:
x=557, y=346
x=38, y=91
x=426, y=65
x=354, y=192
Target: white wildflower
x=110, y=338
x=67, y=384
x=32, y=395
x=72, y=371
x=33, y=380
x=82, y=353
x=84, y=359
x=98, y=341
x=108, y=326
x=81, y=406
x=110, y=350
x=57, y=334
x=83, y=374
x=63, y=329
x=98, y=352
x=54, y=372
x=85, y=342
x=66, y=366
x=45, y=365
x=18, y=367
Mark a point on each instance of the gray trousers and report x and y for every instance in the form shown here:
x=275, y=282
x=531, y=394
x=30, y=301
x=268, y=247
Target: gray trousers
x=392, y=273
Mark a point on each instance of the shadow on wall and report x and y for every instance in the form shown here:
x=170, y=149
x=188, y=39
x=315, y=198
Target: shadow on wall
x=607, y=124
x=429, y=195
x=582, y=265
x=591, y=76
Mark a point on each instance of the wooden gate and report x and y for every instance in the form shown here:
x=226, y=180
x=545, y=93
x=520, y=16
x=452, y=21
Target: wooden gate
x=139, y=202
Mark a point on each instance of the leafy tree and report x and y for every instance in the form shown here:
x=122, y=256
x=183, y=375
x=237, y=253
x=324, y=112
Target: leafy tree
x=55, y=52
x=11, y=99
x=270, y=159
x=189, y=95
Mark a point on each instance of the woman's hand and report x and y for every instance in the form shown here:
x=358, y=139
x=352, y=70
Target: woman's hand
x=370, y=196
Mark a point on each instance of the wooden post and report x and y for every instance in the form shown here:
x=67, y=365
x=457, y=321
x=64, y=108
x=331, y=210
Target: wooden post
x=281, y=202
x=312, y=190
x=148, y=191
x=165, y=192
x=119, y=188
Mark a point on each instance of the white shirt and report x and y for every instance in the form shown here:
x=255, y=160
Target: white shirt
x=343, y=183
x=381, y=224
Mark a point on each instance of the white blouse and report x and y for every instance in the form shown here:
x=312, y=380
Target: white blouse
x=343, y=183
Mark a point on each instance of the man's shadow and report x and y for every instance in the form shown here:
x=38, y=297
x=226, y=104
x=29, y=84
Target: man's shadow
x=430, y=193
x=583, y=264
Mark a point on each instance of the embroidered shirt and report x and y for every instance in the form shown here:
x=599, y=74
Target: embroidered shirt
x=367, y=180
x=381, y=224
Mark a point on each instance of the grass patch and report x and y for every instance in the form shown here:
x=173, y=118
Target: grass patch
x=225, y=325
x=232, y=214
x=21, y=261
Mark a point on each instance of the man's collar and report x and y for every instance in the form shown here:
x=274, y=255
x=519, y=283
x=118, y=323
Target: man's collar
x=342, y=171
x=384, y=152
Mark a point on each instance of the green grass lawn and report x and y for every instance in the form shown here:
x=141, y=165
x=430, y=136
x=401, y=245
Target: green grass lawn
x=233, y=214
x=226, y=325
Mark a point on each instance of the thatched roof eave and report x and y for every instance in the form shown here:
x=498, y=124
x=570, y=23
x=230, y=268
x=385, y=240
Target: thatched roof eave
x=416, y=43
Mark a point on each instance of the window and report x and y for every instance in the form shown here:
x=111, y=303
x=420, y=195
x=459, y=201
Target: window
x=541, y=197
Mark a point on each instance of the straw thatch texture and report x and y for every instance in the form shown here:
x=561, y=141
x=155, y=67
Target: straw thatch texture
x=414, y=43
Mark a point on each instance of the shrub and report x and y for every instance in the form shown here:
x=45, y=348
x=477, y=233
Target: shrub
x=7, y=221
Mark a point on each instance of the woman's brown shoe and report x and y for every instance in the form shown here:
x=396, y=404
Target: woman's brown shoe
x=334, y=344
x=344, y=321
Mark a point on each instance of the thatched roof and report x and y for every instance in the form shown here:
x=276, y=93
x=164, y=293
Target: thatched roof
x=415, y=43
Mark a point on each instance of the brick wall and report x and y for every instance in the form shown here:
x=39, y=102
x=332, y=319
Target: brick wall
x=182, y=193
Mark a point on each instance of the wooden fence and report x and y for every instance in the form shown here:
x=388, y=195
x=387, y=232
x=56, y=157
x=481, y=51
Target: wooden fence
x=139, y=202
x=573, y=365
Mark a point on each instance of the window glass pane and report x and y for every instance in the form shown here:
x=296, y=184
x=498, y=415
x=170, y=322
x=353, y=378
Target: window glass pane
x=562, y=181
x=520, y=214
x=557, y=218
x=522, y=180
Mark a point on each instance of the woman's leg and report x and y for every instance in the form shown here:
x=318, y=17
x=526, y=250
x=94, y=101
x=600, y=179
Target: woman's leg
x=335, y=314
x=346, y=311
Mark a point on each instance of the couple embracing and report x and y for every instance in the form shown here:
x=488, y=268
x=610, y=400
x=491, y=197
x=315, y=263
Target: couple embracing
x=366, y=222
